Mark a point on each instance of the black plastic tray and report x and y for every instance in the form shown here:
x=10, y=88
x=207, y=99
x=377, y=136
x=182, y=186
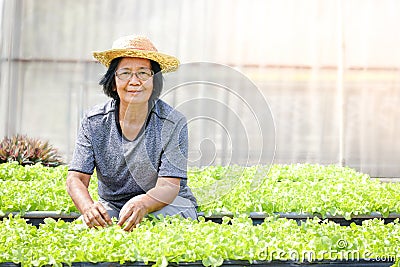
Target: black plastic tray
x=259, y=217
x=37, y=217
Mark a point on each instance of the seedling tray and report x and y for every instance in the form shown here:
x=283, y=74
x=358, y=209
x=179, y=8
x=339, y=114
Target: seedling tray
x=259, y=217
x=37, y=217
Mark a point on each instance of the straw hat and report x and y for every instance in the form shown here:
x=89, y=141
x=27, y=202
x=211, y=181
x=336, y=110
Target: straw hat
x=136, y=46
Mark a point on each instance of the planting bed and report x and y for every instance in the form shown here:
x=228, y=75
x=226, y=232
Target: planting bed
x=177, y=241
x=288, y=190
x=246, y=214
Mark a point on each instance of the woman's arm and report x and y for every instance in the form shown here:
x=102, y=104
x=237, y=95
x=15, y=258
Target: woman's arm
x=163, y=194
x=94, y=213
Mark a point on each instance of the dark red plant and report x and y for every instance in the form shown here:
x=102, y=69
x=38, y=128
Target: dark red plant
x=28, y=151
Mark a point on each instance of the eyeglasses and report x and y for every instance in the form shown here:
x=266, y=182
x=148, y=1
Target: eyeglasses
x=127, y=74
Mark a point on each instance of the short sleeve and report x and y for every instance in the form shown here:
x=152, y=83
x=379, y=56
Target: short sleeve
x=175, y=151
x=83, y=157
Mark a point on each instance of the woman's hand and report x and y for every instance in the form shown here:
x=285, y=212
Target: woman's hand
x=133, y=212
x=96, y=215
x=163, y=194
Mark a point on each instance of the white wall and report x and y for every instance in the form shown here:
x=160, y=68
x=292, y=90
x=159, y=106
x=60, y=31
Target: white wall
x=288, y=48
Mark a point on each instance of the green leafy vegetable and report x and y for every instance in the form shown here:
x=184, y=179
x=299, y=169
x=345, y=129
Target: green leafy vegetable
x=299, y=188
x=36, y=188
x=179, y=240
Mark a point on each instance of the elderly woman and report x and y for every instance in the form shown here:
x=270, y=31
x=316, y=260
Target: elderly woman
x=137, y=143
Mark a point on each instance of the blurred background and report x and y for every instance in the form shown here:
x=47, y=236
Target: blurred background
x=329, y=70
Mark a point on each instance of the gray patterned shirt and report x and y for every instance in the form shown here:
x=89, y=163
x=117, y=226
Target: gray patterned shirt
x=128, y=168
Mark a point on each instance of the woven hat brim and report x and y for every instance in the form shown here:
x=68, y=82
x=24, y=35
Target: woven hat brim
x=167, y=63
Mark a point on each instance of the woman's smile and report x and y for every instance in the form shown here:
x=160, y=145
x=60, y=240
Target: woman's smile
x=134, y=91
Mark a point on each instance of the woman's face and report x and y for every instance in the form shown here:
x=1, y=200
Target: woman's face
x=134, y=90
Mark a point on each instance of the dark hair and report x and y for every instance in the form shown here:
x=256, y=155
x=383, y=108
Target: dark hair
x=108, y=80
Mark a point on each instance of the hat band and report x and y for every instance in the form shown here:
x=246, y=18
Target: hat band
x=136, y=48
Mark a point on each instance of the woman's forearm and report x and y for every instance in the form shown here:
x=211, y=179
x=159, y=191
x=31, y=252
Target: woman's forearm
x=79, y=192
x=94, y=214
x=163, y=194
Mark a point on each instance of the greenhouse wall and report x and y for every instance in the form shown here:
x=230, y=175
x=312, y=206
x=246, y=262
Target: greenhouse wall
x=329, y=73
